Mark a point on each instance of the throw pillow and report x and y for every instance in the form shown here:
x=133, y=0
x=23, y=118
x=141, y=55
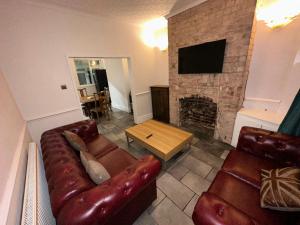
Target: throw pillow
x=95, y=170
x=85, y=157
x=280, y=189
x=75, y=141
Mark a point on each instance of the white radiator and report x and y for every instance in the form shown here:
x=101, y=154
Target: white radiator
x=36, y=203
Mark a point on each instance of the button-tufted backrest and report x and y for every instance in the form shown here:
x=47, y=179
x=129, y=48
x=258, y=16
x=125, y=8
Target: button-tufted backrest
x=65, y=175
x=86, y=129
x=283, y=148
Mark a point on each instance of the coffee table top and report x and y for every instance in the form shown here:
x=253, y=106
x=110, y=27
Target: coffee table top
x=162, y=139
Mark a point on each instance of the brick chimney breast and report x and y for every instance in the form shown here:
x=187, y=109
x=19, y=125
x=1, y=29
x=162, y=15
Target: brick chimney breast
x=211, y=21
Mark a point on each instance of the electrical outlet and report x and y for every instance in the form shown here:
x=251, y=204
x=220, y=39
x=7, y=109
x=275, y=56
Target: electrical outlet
x=63, y=87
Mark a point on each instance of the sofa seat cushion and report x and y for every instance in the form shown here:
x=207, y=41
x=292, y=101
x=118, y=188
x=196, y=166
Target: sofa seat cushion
x=100, y=146
x=246, y=198
x=247, y=167
x=116, y=161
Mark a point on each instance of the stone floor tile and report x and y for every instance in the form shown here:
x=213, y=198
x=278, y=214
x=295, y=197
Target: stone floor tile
x=122, y=144
x=189, y=209
x=111, y=136
x=225, y=154
x=206, y=157
x=167, y=213
x=145, y=219
x=212, y=174
x=138, y=153
x=196, y=166
x=213, y=146
x=175, y=190
x=109, y=126
x=178, y=171
x=209, y=147
x=160, y=197
x=176, y=158
x=195, y=140
x=177, y=182
x=195, y=183
x=122, y=136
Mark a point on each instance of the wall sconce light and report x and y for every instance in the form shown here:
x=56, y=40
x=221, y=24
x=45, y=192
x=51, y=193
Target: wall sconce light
x=93, y=63
x=277, y=13
x=155, y=33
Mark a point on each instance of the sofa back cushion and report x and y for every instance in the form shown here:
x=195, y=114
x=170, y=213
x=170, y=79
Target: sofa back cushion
x=100, y=146
x=86, y=129
x=282, y=148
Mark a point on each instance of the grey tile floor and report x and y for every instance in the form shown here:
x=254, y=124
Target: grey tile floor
x=183, y=178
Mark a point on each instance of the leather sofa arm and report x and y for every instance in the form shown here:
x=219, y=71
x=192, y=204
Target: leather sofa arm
x=283, y=148
x=98, y=204
x=212, y=210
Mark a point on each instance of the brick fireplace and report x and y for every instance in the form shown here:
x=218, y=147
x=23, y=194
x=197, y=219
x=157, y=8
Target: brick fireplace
x=198, y=114
x=224, y=92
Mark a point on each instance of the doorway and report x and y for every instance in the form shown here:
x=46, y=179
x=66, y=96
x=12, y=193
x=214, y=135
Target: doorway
x=102, y=76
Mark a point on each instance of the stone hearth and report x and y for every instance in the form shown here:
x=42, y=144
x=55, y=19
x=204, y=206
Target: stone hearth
x=210, y=21
x=198, y=114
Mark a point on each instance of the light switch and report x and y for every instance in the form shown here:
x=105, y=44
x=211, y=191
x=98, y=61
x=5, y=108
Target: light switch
x=63, y=87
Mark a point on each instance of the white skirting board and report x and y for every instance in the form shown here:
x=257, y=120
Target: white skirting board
x=36, y=204
x=143, y=118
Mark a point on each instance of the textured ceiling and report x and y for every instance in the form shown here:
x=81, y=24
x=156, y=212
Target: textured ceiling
x=132, y=11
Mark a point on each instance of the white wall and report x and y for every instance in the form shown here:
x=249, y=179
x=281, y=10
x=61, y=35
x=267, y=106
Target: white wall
x=274, y=70
x=35, y=41
x=14, y=139
x=118, y=81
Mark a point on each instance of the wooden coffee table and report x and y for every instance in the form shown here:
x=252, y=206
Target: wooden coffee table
x=161, y=139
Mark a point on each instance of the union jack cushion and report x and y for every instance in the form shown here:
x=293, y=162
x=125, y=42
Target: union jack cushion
x=280, y=189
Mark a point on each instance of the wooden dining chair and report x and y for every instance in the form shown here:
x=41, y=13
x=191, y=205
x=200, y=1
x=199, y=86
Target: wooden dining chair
x=107, y=95
x=101, y=106
x=84, y=106
x=82, y=91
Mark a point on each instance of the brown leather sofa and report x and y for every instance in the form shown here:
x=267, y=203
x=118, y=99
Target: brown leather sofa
x=234, y=196
x=76, y=200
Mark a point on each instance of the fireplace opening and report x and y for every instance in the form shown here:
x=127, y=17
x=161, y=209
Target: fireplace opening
x=198, y=114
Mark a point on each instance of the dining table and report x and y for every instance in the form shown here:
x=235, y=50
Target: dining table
x=87, y=103
x=87, y=99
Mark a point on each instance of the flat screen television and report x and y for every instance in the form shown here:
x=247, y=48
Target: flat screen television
x=203, y=58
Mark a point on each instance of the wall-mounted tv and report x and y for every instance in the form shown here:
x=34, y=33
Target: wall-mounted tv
x=203, y=58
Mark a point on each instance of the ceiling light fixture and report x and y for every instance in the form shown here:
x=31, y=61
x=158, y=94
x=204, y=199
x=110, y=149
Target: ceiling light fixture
x=155, y=33
x=277, y=13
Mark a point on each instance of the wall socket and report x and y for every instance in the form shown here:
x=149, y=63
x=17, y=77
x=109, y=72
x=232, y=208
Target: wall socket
x=63, y=87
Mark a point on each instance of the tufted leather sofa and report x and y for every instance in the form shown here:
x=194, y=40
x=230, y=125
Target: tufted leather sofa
x=76, y=200
x=234, y=196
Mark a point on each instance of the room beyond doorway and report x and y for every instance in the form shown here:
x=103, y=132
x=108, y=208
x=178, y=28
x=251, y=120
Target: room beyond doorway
x=109, y=77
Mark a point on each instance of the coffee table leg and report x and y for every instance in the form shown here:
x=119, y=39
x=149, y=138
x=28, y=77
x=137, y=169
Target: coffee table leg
x=188, y=145
x=128, y=140
x=163, y=165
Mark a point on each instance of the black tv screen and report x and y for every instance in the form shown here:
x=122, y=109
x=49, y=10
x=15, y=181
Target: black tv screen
x=203, y=58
